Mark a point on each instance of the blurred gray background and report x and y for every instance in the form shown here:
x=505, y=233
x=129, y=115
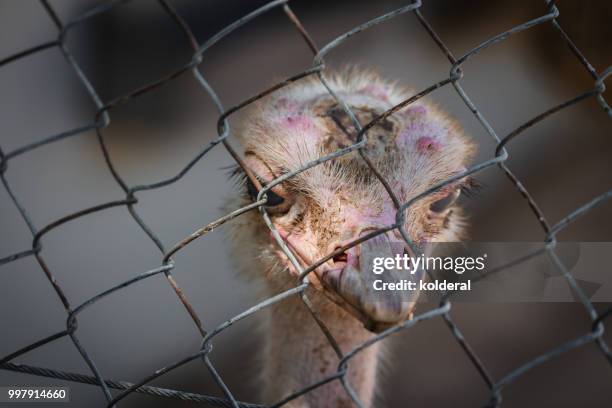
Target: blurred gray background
x=564, y=161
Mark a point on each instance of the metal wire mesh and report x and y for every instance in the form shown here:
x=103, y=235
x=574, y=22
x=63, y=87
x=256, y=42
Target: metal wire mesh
x=443, y=311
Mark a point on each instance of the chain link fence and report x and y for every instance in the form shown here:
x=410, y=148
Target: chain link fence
x=550, y=12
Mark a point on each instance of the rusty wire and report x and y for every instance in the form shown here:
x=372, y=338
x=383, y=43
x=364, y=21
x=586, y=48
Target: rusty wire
x=130, y=200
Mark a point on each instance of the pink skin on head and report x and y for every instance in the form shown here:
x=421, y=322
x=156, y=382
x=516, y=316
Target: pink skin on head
x=299, y=127
x=414, y=113
x=415, y=110
x=298, y=121
x=420, y=131
x=410, y=133
x=427, y=144
x=287, y=105
x=290, y=118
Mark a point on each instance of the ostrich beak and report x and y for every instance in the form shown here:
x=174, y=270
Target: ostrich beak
x=353, y=284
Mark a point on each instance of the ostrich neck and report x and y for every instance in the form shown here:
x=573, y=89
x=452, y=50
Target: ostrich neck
x=297, y=354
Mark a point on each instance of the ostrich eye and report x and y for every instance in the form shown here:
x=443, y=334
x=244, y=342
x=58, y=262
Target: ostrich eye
x=444, y=203
x=273, y=198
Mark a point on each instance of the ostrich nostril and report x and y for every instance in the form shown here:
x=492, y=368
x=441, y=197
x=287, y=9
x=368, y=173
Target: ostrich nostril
x=340, y=258
x=347, y=257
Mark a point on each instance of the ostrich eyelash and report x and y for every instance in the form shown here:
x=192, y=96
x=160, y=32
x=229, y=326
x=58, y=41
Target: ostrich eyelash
x=242, y=181
x=471, y=188
x=235, y=174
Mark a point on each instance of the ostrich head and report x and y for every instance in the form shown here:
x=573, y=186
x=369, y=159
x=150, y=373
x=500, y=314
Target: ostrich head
x=331, y=204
